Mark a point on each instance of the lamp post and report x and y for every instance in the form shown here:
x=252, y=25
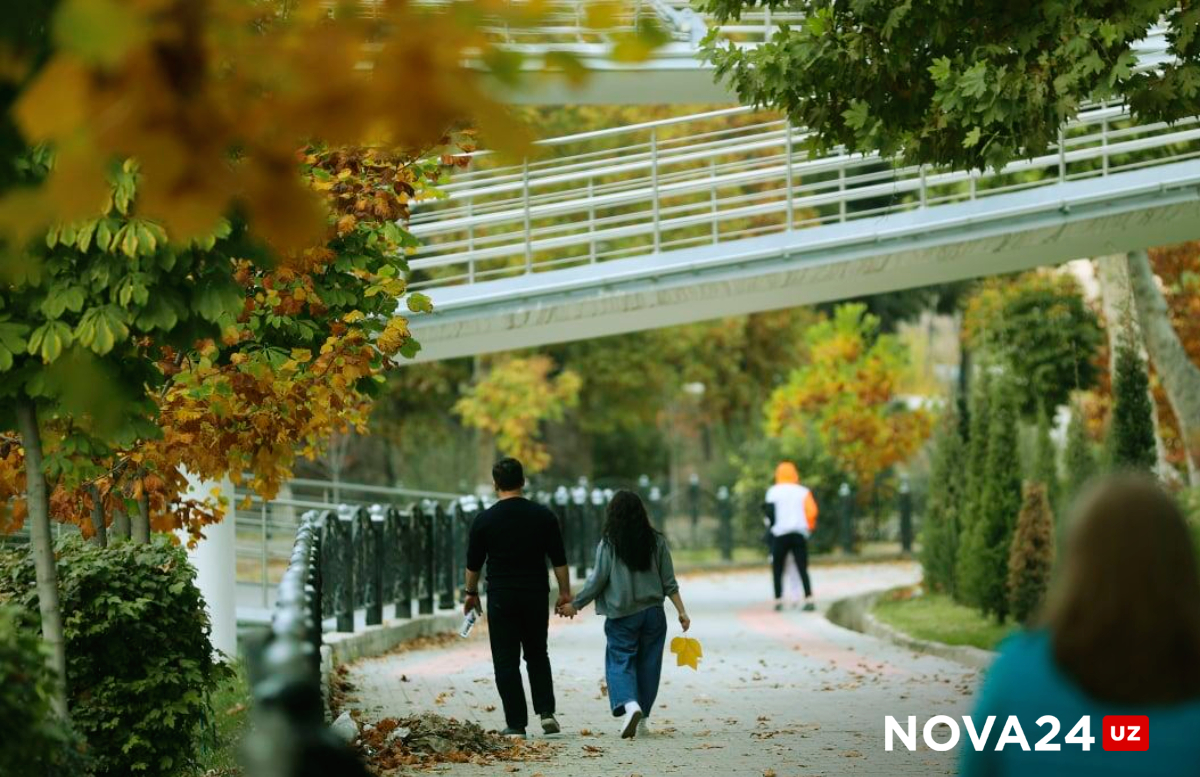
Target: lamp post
x=906, y=517
x=847, y=518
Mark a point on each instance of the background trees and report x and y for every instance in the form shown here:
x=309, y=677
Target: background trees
x=965, y=86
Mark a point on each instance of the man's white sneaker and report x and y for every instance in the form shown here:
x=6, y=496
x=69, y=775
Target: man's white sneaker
x=633, y=716
x=643, y=728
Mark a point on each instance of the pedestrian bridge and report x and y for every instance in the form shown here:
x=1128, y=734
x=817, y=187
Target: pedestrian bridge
x=725, y=213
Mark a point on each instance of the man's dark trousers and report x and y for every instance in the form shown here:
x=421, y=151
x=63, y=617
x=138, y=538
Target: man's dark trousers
x=517, y=622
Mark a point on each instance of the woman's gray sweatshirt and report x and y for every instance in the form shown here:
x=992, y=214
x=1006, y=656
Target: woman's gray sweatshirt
x=619, y=591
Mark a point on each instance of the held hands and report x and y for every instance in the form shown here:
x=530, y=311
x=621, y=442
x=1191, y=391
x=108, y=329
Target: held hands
x=565, y=608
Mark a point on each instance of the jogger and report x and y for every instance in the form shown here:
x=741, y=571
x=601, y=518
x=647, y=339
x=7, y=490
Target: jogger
x=797, y=545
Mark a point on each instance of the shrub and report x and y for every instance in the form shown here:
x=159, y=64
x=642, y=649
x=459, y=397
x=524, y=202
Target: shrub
x=976, y=453
x=140, y=665
x=940, y=534
x=1046, y=463
x=1080, y=461
x=1131, y=443
x=1031, y=556
x=985, y=561
x=36, y=742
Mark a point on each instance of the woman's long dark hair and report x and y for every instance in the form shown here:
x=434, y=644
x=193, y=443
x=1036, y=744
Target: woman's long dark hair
x=627, y=528
x=1124, y=615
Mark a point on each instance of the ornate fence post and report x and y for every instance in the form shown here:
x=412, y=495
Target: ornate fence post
x=906, y=515
x=371, y=530
x=656, y=508
x=449, y=566
x=579, y=529
x=847, y=517
x=426, y=562
x=400, y=548
x=725, y=514
x=338, y=569
x=694, y=506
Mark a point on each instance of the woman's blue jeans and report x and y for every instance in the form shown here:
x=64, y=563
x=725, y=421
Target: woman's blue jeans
x=634, y=659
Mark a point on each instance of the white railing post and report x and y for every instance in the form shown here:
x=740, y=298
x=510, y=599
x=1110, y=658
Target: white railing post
x=525, y=201
x=1062, y=157
x=654, y=186
x=974, y=178
x=470, y=240
x=1104, y=146
x=712, y=200
x=591, y=220
x=842, y=188
x=924, y=190
x=788, y=174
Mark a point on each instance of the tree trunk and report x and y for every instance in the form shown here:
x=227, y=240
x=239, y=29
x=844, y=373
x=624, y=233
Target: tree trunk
x=141, y=522
x=1179, y=376
x=41, y=543
x=485, y=442
x=1121, y=310
x=121, y=527
x=98, y=518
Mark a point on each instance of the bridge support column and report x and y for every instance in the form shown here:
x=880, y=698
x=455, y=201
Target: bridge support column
x=215, y=560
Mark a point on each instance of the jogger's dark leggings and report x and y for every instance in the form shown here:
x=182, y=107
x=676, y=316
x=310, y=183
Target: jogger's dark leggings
x=797, y=545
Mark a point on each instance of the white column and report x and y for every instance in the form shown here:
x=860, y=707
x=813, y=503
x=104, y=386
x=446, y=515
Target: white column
x=215, y=560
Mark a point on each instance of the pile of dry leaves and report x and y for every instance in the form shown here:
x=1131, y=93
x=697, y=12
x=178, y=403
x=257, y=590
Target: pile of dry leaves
x=423, y=741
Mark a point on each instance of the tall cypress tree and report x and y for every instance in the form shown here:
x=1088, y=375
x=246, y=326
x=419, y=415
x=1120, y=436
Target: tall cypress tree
x=940, y=533
x=1046, y=462
x=1131, y=443
x=1079, y=459
x=1031, y=556
x=976, y=450
x=984, y=560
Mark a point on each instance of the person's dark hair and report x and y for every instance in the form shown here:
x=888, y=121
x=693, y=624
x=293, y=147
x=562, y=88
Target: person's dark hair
x=1124, y=615
x=508, y=475
x=627, y=528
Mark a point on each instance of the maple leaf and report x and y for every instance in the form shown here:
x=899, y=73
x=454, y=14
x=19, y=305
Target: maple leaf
x=687, y=652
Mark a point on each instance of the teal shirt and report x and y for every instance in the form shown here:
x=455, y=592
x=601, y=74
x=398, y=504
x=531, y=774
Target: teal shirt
x=1025, y=681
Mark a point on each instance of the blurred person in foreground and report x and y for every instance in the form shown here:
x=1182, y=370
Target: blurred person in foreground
x=1120, y=636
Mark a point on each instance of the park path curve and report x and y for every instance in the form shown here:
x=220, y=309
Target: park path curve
x=777, y=693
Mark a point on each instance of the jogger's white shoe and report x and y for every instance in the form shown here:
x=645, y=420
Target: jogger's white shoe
x=633, y=716
x=643, y=727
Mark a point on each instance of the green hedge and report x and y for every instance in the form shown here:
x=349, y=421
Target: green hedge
x=36, y=743
x=139, y=661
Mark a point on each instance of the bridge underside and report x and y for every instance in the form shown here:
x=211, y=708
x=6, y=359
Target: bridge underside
x=1004, y=233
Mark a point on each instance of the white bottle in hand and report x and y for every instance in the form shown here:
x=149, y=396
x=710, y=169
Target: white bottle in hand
x=469, y=623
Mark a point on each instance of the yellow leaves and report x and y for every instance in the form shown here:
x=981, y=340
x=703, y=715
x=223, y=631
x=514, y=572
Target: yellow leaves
x=687, y=652
x=99, y=31
x=514, y=399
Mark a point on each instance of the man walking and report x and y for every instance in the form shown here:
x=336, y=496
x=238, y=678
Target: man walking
x=515, y=537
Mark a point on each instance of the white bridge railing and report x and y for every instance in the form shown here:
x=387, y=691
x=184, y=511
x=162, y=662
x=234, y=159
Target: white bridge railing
x=726, y=175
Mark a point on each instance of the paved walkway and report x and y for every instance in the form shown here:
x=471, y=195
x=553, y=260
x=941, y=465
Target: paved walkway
x=777, y=694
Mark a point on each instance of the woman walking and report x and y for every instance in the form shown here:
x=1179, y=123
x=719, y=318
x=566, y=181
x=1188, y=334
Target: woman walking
x=632, y=575
x=1120, y=635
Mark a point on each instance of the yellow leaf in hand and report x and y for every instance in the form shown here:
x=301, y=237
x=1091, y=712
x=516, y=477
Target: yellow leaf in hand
x=687, y=652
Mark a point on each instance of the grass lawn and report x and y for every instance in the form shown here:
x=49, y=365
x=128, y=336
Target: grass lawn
x=938, y=618
x=218, y=755
x=682, y=556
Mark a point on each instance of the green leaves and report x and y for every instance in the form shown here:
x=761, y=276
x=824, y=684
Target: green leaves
x=12, y=342
x=60, y=299
x=102, y=328
x=49, y=340
x=217, y=299
x=419, y=303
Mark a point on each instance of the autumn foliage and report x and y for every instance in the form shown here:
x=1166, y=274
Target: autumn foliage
x=846, y=395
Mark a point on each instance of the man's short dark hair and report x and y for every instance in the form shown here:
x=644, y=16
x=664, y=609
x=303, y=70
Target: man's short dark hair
x=508, y=474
